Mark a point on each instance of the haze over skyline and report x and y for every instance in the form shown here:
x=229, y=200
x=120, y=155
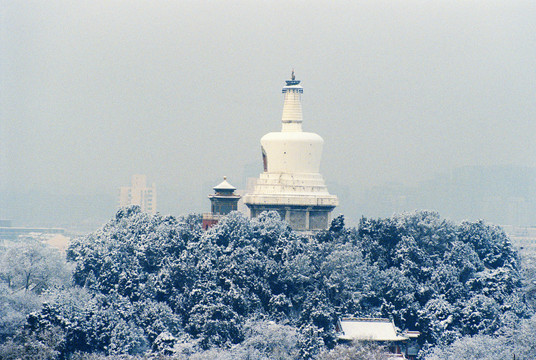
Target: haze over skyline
x=401, y=91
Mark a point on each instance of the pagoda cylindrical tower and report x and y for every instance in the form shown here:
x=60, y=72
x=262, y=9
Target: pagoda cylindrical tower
x=291, y=183
x=292, y=110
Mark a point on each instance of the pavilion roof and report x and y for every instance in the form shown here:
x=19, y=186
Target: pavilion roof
x=224, y=185
x=372, y=329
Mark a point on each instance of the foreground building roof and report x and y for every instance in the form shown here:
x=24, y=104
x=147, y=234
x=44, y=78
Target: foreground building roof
x=369, y=329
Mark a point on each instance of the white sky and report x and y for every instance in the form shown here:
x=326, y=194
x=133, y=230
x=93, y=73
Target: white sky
x=182, y=91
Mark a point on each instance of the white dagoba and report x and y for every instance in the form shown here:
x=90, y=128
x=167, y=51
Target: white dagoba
x=291, y=183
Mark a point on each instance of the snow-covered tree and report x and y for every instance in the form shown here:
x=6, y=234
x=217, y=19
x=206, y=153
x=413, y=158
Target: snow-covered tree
x=356, y=351
x=158, y=283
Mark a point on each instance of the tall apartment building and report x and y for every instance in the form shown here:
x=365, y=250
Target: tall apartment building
x=139, y=194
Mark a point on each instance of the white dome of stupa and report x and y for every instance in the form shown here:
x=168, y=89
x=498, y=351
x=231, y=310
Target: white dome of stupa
x=291, y=182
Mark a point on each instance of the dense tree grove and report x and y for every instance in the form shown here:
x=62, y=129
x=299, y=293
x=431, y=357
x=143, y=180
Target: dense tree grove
x=255, y=289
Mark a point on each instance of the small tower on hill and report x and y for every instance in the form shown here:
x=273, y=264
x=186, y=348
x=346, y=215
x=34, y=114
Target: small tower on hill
x=222, y=202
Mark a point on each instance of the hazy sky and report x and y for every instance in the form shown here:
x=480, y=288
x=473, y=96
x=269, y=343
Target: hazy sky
x=182, y=91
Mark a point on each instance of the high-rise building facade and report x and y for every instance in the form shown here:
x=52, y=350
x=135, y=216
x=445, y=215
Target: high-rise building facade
x=291, y=183
x=139, y=194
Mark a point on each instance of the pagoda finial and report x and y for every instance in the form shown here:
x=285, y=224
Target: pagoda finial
x=292, y=80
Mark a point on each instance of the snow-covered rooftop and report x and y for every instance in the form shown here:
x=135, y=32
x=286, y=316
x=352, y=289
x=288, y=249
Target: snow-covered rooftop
x=369, y=329
x=224, y=185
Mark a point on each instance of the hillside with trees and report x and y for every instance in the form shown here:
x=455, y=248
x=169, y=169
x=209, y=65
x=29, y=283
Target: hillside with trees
x=253, y=288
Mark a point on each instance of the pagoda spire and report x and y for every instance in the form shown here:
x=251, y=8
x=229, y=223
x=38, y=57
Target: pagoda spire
x=292, y=110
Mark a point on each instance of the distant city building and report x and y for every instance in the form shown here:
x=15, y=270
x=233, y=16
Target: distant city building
x=291, y=183
x=523, y=238
x=12, y=233
x=139, y=194
x=498, y=194
x=222, y=202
